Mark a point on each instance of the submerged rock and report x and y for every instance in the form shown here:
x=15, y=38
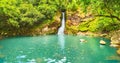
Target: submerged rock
x=1, y=46
x=114, y=57
x=0, y=37
x=1, y=55
x=115, y=45
x=118, y=51
x=102, y=42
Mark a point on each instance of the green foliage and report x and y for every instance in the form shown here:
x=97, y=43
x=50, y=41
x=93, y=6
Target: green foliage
x=20, y=13
x=106, y=24
x=9, y=13
x=17, y=14
x=47, y=10
x=83, y=26
x=100, y=24
x=112, y=6
x=29, y=14
x=13, y=23
x=108, y=15
x=73, y=5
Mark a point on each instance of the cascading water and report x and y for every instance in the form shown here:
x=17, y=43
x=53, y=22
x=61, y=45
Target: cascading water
x=61, y=32
x=61, y=29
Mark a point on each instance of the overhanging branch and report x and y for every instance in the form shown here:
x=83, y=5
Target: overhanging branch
x=111, y=16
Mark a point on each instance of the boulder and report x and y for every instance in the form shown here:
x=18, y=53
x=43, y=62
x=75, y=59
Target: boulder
x=115, y=39
x=102, y=42
x=83, y=40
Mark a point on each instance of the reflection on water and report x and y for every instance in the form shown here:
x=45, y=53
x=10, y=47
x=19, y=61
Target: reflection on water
x=61, y=41
x=45, y=49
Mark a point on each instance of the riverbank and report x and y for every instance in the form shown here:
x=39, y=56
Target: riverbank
x=115, y=40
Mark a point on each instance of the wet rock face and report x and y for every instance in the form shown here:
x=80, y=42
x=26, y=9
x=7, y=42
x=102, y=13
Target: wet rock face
x=73, y=19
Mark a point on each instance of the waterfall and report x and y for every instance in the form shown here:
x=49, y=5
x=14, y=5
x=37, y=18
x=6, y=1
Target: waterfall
x=61, y=29
x=61, y=32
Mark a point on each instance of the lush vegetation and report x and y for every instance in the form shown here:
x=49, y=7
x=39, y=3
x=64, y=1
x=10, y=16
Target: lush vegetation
x=22, y=14
x=106, y=13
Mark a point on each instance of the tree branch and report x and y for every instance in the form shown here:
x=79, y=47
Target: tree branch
x=111, y=16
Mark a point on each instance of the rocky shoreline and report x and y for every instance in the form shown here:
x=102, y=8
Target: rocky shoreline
x=115, y=40
x=114, y=36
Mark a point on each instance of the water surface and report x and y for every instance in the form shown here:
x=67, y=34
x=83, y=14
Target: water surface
x=56, y=49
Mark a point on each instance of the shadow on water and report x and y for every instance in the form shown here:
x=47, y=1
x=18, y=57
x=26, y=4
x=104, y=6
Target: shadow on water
x=2, y=58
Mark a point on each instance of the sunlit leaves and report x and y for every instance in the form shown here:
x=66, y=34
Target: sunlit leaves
x=22, y=13
x=47, y=10
x=29, y=14
x=13, y=23
x=113, y=7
